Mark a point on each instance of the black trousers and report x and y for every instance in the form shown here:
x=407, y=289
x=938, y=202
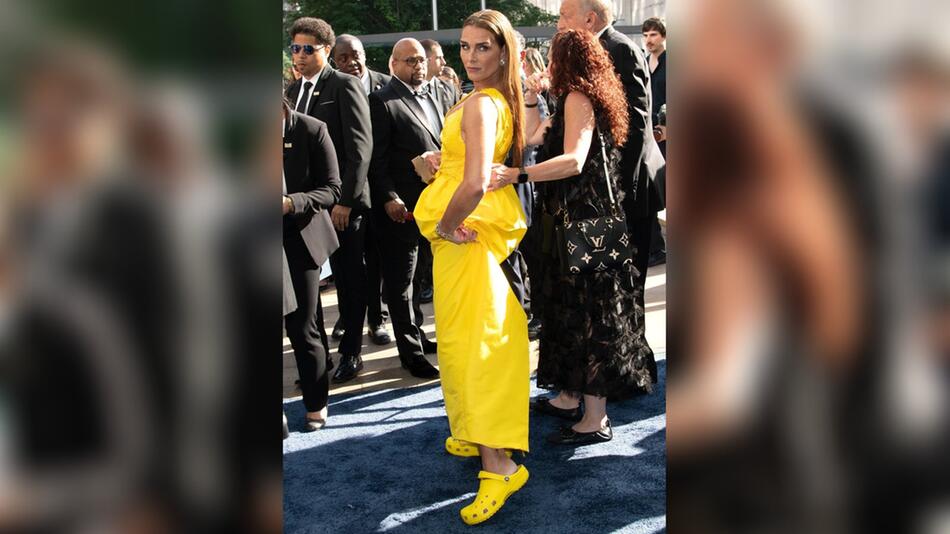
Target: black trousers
x=305, y=325
x=376, y=313
x=515, y=270
x=530, y=249
x=399, y=254
x=640, y=232
x=657, y=244
x=424, y=264
x=349, y=274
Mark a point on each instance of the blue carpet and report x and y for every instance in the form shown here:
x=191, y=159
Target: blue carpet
x=379, y=466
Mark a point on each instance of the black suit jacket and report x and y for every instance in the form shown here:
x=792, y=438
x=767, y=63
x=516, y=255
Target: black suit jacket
x=641, y=158
x=339, y=101
x=377, y=80
x=313, y=184
x=400, y=133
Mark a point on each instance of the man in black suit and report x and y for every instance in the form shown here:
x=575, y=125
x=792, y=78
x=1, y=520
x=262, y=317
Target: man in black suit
x=407, y=121
x=311, y=187
x=640, y=158
x=350, y=57
x=338, y=100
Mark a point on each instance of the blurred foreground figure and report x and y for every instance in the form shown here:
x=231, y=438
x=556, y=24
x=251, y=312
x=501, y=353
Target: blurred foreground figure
x=125, y=267
x=802, y=397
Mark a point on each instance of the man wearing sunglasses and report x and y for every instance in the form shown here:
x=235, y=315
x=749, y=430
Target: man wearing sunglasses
x=338, y=100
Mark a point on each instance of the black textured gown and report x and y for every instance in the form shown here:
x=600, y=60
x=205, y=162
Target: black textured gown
x=592, y=328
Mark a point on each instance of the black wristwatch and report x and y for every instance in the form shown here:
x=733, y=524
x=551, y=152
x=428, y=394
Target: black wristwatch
x=522, y=176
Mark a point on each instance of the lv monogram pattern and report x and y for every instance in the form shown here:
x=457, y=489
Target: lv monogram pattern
x=596, y=245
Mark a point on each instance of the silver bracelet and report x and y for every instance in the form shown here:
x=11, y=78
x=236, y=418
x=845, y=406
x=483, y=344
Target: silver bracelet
x=441, y=233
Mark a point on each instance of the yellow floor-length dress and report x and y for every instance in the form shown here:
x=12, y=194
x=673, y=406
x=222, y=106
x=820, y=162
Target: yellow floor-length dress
x=480, y=326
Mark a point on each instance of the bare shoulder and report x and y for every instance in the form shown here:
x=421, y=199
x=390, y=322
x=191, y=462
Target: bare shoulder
x=577, y=101
x=479, y=108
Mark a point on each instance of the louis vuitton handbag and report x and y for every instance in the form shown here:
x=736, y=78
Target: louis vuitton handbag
x=598, y=244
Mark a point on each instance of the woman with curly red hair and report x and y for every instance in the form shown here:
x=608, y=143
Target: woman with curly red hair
x=589, y=348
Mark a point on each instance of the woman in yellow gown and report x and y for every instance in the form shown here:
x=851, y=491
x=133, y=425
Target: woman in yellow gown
x=482, y=329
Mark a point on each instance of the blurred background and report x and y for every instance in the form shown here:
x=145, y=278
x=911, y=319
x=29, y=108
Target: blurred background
x=139, y=277
x=809, y=313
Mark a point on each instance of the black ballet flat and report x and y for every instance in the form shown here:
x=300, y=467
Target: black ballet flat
x=543, y=405
x=569, y=436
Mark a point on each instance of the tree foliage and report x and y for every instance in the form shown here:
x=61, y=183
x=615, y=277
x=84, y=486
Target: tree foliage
x=389, y=16
x=361, y=17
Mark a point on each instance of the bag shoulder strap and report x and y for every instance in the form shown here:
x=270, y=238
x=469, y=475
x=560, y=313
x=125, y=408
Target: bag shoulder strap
x=610, y=190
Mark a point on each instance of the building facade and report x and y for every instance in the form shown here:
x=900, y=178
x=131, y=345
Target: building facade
x=627, y=12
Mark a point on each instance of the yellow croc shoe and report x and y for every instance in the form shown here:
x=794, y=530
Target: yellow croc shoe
x=464, y=449
x=493, y=491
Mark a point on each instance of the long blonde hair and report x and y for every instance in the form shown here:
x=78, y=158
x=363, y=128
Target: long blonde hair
x=504, y=33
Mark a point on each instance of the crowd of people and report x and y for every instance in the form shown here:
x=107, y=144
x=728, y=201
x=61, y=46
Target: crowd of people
x=493, y=199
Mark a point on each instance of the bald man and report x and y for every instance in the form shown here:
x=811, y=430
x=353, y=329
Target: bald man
x=350, y=58
x=407, y=121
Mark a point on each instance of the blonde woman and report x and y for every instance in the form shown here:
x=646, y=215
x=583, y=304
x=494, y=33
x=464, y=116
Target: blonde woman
x=483, y=338
x=533, y=62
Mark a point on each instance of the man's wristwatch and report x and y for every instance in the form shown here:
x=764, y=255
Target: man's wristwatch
x=522, y=176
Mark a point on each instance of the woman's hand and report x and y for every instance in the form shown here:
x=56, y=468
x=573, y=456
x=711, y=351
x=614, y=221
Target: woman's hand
x=538, y=83
x=459, y=236
x=501, y=176
x=433, y=160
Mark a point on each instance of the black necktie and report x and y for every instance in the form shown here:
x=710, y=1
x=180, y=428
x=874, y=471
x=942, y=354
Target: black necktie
x=305, y=95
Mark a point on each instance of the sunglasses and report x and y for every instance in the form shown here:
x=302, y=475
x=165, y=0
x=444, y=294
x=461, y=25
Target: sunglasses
x=307, y=49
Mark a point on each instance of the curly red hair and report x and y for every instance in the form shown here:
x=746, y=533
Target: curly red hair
x=579, y=63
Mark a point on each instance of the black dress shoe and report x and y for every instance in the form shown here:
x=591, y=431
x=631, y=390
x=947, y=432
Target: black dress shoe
x=420, y=368
x=569, y=436
x=286, y=430
x=379, y=336
x=430, y=347
x=534, y=329
x=348, y=369
x=425, y=296
x=338, y=330
x=657, y=258
x=543, y=405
